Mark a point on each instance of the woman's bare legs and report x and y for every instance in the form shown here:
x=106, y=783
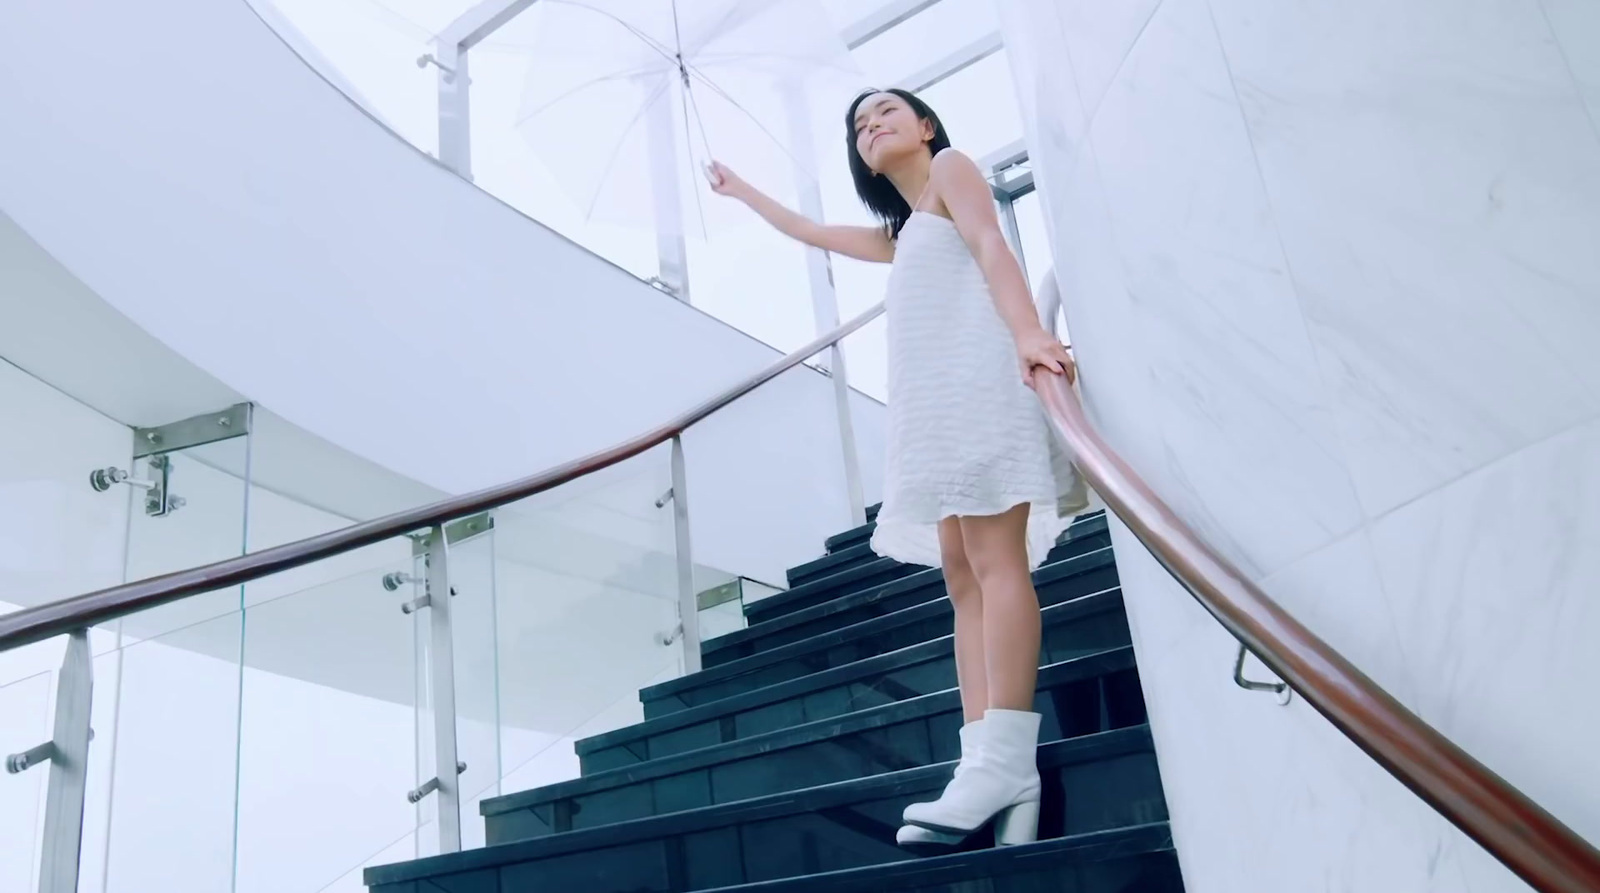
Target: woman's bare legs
x=966, y=598
x=997, y=552
x=999, y=783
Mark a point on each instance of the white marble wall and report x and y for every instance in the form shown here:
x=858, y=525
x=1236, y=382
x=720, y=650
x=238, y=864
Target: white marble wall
x=1333, y=274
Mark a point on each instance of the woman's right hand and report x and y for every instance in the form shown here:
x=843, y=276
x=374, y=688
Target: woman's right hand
x=725, y=182
x=869, y=243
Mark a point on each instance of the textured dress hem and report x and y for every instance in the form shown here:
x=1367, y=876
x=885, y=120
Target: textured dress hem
x=910, y=534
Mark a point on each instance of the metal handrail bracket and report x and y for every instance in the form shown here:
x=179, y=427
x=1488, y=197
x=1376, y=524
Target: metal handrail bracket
x=1283, y=691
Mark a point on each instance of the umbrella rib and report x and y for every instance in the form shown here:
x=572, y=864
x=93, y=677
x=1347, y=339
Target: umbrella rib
x=617, y=150
x=578, y=89
x=688, y=92
x=754, y=120
x=510, y=46
x=704, y=58
x=689, y=100
x=705, y=143
x=644, y=38
x=677, y=31
x=396, y=15
x=712, y=31
x=700, y=119
x=649, y=41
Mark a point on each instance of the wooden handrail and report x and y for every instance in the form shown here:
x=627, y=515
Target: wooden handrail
x=45, y=621
x=1521, y=834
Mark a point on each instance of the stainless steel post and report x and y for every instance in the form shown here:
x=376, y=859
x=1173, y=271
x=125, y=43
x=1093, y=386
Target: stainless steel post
x=825, y=300
x=68, y=753
x=442, y=679
x=688, y=604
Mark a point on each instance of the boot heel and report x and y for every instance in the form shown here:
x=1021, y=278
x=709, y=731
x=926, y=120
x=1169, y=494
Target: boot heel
x=1017, y=824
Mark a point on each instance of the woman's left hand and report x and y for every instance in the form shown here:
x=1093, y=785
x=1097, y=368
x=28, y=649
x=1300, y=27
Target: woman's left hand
x=1040, y=350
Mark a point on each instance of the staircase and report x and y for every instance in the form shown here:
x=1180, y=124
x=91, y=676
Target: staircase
x=784, y=764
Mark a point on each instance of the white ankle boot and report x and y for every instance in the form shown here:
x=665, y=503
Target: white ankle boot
x=918, y=839
x=1001, y=785
x=914, y=838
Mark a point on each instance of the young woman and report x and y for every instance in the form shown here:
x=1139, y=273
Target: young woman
x=975, y=482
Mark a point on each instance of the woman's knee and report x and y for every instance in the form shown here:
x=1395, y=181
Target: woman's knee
x=962, y=585
x=997, y=547
x=959, y=580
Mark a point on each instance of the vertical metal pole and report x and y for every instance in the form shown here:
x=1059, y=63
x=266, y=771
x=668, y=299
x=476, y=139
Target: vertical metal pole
x=1008, y=216
x=419, y=695
x=455, y=108
x=824, y=298
x=442, y=676
x=688, y=604
x=847, y=437
x=1049, y=302
x=671, y=247
x=494, y=645
x=69, y=764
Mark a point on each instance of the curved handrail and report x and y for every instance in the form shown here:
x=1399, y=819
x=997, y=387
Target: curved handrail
x=1517, y=831
x=1521, y=834
x=56, y=618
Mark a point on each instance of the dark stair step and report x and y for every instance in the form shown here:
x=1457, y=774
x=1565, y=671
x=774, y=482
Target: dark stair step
x=831, y=563
x=863, y=534
x=896, y=676
x=1092, y=783
x=849, y=581
x=1139, y=859
x=1056, y=583
x=843, y=610
x=1082, y=536
x=861, y=552
x=1089, y=694
x=855, y=536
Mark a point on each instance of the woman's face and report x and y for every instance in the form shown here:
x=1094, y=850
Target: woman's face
x=888, y=130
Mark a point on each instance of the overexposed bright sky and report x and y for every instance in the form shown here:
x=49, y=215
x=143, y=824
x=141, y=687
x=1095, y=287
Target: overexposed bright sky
x=739, y=270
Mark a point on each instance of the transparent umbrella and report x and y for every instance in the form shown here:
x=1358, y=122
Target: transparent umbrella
x=626, y=99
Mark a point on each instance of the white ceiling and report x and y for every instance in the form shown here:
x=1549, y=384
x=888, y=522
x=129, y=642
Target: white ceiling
x=59, y=331
x=65, y=335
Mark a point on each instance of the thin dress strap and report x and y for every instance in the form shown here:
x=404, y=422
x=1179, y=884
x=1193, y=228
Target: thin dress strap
x=917, y=205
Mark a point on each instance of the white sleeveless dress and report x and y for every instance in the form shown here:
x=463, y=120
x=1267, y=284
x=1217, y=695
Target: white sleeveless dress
x=966, y=437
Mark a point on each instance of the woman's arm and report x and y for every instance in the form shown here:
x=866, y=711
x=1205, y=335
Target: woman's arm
x=860, y=242
x=960, y=186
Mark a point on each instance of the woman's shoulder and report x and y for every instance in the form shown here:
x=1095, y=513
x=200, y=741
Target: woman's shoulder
x=955, y=178
x=951, y=166
x=951, y=157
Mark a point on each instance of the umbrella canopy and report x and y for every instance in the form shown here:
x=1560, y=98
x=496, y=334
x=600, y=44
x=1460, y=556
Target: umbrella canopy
x=619, y=92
